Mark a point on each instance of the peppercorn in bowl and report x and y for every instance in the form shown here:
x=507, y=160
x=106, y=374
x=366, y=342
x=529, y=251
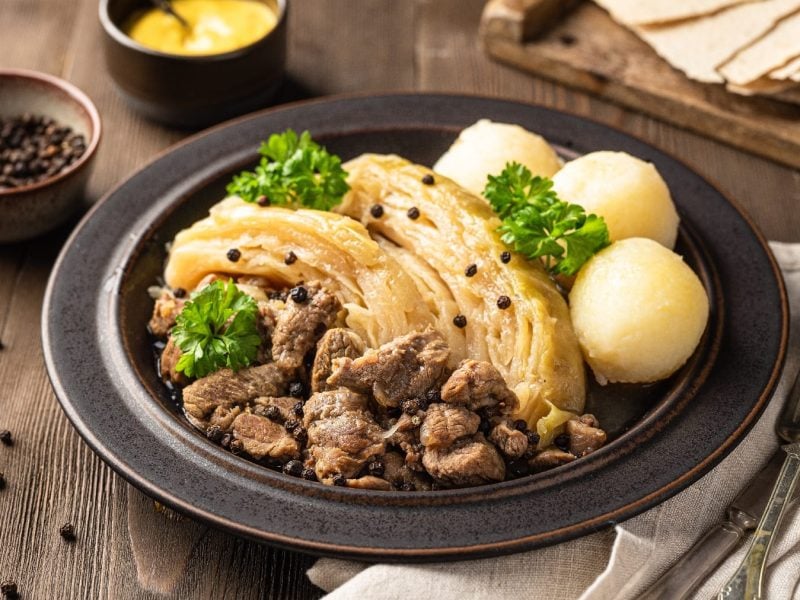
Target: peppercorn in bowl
x=49, y=133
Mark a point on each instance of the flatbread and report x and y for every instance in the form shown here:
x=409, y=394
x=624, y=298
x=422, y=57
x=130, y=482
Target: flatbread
x=790, y=70
x=772, y=51
x=644, y=12
x=697, y=47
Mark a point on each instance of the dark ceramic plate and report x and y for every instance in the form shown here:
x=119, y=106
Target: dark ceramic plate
x=664, y=437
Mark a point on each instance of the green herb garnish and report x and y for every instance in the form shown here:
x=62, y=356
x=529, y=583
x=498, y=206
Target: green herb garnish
x=217, y=328
x=294, y=171
x=539, y=225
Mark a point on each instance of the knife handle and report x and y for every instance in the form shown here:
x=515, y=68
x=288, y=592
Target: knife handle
x=697, y=564
x=745, y=584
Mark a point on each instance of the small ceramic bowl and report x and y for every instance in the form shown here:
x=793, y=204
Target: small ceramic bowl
x=192, y=91
x=31, y=210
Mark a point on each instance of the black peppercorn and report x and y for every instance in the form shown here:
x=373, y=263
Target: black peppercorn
x=309, y=475
x=262, y=201
x=5, y=437
x=236, y=447
x=503, y=302
x=67, y=532
x=376, y=468
x=407, y=486
x=518, y=468
x=297, y=409
x=505, y=257
x=9, y=589
x=562, y=442
x=273, y=413
x=234, y=255
x=376, y=210
x=291, y=424
x=533, y=438
x=413, y=213
x=339, y=480
x=428, y=179
x=214, y=433
x=300, y=434
x=520, y=425
x=225, y=442
x=433, y=395
x=471, y=270
x=299, y=294
x=297, y=389
x=290, y=258
x=293, y=468
x=179, y=292
x=460, y=321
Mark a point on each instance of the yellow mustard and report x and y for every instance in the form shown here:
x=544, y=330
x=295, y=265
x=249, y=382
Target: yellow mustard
x=215, y=26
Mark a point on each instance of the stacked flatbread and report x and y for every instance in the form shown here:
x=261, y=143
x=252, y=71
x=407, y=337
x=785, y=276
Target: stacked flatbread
x=751, y=46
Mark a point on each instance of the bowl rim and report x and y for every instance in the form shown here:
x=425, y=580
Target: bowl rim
x=121, y=37
x=88, y=107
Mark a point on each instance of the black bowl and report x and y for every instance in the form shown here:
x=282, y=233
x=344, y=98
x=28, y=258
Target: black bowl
x=665, y=437
x=192, y=91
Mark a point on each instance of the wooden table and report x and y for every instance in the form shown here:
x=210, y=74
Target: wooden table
x=125, y=547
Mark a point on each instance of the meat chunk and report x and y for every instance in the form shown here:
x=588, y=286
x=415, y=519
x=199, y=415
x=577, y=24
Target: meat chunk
x=511, y=442
x=398, y=473
x=479, y=385
x=165, y=311
x=369, y=482
x=169, y=360
x=342, y=435
x=402, y=369
x=261, y=438
x=470, y=461
x=336, y=343
x=220, y=392
x=585, y=435
x=549, y=459
x=301, y=324
x=444, y=424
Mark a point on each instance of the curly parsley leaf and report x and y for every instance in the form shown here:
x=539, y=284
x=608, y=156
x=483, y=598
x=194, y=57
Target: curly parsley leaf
x=217, y=328
x=539, y=225
x=293, y=171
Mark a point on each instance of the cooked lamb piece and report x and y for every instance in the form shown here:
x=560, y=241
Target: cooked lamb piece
x=336, y=343
x=549, y=459
x=444, y=424
x=165, y=311
x=342, y=435
x=169, y=360
x=585, y=435
x=479, y=385
x=470, y=461
x=283, y=405
x=511, y=442
x=301, y=324
x=262, y=438
x=218, y=393
x=405, y=435
x=397, y=472
x=402, y=369
x=369, y=482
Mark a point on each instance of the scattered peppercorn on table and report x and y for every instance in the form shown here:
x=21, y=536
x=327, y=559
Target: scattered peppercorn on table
x=70, y=527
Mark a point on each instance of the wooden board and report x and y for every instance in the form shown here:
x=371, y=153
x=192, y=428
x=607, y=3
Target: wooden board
x=586, y=49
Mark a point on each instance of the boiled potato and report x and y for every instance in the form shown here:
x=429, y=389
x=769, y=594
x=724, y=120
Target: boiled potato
x=484, y=149
x=627, y=192
x=638, y=311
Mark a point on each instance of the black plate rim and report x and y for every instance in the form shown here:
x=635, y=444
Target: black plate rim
x=123, y=468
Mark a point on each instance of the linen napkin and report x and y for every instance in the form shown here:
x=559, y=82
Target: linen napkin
x=617, y=564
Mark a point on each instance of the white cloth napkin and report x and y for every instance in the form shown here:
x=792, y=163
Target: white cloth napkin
x=616, y=564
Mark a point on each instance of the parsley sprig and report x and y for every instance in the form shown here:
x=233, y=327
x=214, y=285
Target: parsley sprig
x=217, y=328
x=539, y=225
x=294, y=171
